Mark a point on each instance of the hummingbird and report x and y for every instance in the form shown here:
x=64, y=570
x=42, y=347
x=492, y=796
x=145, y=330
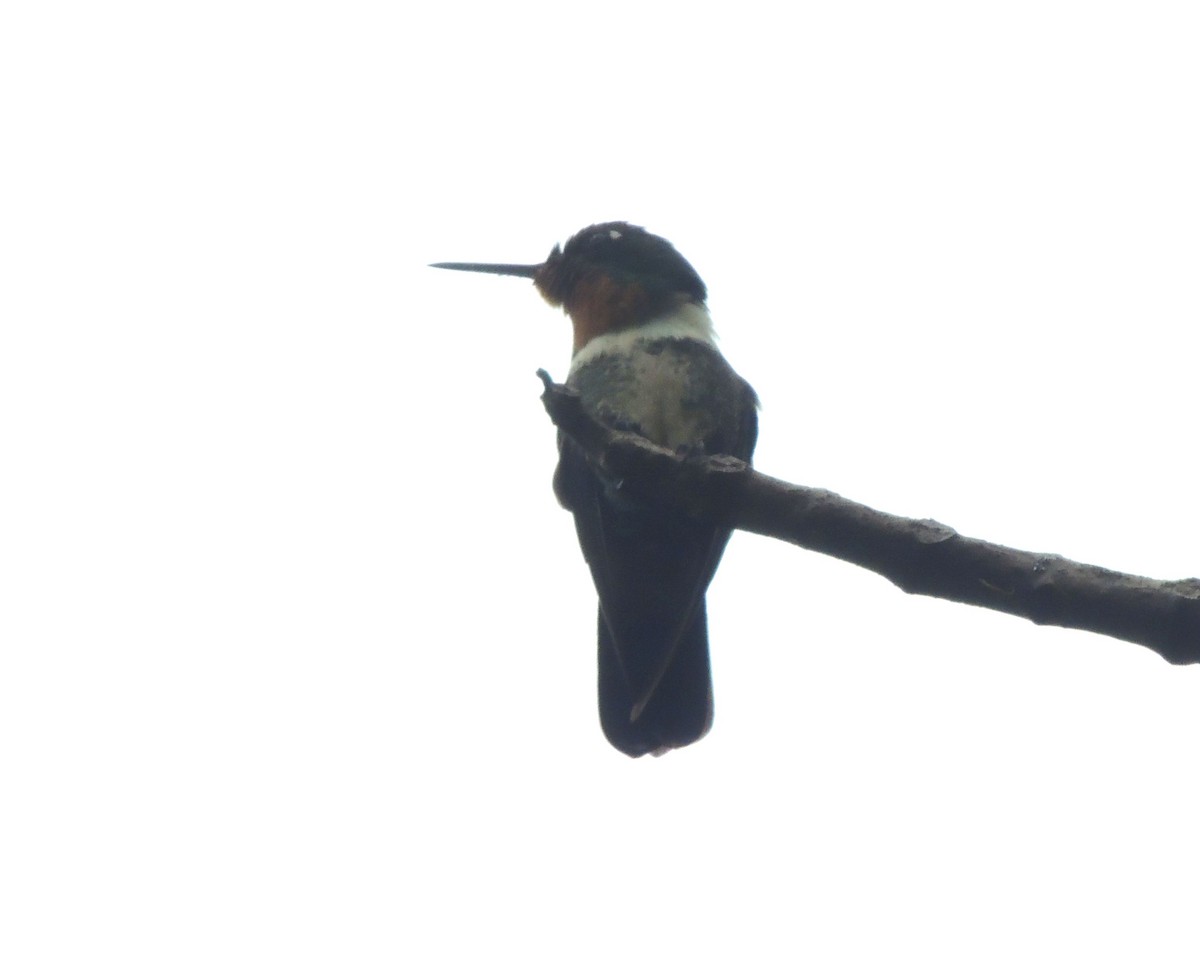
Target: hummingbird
x=644, y=360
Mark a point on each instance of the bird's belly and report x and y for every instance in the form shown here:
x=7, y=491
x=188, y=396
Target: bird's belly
x=651, y=394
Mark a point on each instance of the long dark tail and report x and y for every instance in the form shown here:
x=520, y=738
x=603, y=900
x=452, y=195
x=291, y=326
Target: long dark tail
x=679, y=712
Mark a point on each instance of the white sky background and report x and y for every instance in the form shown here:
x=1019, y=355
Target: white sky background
x=297, y=647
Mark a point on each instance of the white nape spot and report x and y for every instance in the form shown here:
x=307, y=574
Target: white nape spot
x=687, y=320
x=614, y=234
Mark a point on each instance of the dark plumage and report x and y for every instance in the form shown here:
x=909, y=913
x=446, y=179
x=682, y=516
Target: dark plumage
x=652, y=566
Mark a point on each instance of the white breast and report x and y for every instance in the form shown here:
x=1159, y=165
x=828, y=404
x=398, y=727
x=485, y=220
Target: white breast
x=688, y=320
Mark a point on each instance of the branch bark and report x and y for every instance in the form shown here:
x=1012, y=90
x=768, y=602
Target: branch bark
x=919, y=556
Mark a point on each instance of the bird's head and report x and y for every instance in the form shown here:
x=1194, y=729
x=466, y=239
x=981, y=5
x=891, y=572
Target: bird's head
x=608, y=277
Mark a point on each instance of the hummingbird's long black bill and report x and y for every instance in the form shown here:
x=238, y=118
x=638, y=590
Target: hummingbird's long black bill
x=521, y=271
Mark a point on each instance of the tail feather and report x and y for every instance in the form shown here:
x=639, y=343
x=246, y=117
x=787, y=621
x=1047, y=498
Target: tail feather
x=680, y=710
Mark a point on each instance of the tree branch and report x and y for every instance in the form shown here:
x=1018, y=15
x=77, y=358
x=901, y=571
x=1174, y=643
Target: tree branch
x=919, y=556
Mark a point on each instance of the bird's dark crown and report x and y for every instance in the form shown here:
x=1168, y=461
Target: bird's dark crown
x=624, y=255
